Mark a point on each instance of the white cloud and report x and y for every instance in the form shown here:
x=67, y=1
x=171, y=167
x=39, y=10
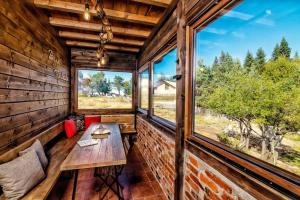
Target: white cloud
x=269, y=12
x=238, y=15
x=215, y=31
x=238, y=34
x=265, y=21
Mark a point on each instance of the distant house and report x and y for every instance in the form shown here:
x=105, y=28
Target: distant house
x=165, y=88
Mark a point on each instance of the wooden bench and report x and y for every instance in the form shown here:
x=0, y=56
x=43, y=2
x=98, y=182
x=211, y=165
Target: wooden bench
x=126, y=124
x=56, y=155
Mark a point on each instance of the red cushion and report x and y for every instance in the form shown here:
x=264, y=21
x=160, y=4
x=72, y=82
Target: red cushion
x=70, y=128
x=89, y=119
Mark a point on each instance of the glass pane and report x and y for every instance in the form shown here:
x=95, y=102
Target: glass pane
x=104, y=89
x=247, y=89
x=164, y=87
x=144, y=89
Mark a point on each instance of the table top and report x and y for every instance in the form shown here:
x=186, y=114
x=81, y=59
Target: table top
x=108, y=152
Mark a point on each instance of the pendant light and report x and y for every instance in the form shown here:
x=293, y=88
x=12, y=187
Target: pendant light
x=87, y=14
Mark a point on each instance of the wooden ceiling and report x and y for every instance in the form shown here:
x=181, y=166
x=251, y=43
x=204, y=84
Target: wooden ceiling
x=132, y=22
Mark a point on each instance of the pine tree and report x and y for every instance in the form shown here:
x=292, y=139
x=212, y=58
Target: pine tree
x=260, y=60
x=276, y=52
x=296, y=56
x=215, y=63
x=249, y=63
x=284, y=49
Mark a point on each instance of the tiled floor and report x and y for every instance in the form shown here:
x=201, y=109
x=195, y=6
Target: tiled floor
x=137, y=179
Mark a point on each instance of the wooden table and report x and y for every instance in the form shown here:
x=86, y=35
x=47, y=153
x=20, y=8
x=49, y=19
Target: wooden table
x=108, y=152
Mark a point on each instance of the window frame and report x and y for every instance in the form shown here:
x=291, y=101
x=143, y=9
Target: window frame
x=140, y=71
x=103, y=111
x=159, y=120
x=271, y=175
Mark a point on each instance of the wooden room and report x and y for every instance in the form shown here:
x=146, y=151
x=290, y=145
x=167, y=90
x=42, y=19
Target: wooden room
x=149, y=99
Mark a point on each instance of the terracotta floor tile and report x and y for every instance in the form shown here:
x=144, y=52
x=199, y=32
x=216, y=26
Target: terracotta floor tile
x=143, y=189
x=136, y=178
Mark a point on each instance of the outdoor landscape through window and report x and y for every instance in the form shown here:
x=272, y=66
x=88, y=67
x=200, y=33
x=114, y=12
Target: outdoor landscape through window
x=144, y=89
x=247, y=81
x=104, y=89
x=164, y=87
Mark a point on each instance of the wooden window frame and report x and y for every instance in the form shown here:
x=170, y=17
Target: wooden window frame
x=140, y=71
x=170, y=126
x=103, y=111
x=272, y=176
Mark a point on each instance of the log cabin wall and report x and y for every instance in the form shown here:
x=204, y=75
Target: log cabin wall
x=34, y=74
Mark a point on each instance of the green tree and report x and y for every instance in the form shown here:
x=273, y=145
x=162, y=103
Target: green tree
x=249, y=63
x=118, y=83
x=276, y=52
x=260, y=60
x=97, y=81
x=127, y=88
x=284, y=49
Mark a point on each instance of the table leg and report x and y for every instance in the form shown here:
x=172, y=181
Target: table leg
x=75, y=184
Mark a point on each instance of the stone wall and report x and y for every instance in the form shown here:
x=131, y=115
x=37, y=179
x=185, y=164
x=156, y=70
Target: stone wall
x=159, y=152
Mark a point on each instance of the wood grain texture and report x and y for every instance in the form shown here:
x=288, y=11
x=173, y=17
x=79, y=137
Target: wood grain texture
x=79, y=8
x=107, y=152
x=34, y=75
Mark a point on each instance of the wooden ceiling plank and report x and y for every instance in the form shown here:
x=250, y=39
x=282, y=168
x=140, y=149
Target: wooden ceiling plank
x=95, y=45
x=75, y=24
x=79, y=8
x=160, y=3
x=94, y=37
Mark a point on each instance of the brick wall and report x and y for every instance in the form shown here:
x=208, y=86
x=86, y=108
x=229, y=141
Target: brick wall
x=204, y=182
x=159, y=152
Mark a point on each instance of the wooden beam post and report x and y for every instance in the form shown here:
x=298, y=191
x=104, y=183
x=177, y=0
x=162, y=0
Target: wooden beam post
x=94, y=37
x=75, y=24
x=160, y=3
x=78, y=8
x=96, y=45
x=180, y=99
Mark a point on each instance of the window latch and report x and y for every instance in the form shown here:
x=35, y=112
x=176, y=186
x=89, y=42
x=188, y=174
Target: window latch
x=177, y=77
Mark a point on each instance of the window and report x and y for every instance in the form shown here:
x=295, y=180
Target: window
x=164, y=87
x=144, y=89
x=247, y=81
x=104, y=89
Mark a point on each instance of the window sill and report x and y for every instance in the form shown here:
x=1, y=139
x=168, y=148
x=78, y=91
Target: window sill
x=272, y=177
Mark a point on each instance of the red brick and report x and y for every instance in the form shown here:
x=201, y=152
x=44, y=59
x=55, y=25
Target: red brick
x=192, y=168
x=208, y=182
x=218, y=181
x=193, y=185
x=193, y=161
x=226, y=196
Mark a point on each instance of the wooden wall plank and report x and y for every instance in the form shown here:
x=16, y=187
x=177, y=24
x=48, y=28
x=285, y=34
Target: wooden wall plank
x=34, y=75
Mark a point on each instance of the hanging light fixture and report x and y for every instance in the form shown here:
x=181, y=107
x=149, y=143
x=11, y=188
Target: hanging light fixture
x=87, y=14
x=105, y=34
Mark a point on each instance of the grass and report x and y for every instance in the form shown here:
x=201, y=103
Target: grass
x=102, y=102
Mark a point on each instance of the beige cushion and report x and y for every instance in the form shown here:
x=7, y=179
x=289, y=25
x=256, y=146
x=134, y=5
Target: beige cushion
x=38, y=148
x=18, y=176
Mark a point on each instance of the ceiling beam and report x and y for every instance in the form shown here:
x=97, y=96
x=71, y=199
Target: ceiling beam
x=93, y=37
x=160, y=3
x=75, y=24
x=79, y=9
x=96, y=45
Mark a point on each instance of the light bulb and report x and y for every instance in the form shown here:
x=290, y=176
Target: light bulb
x=87, y=15
x=99, y=63
x=98, y=53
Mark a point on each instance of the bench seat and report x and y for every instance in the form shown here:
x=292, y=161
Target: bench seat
x=56, y=155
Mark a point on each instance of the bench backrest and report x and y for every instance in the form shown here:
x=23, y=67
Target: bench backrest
x=45, y=137
x=120, y=119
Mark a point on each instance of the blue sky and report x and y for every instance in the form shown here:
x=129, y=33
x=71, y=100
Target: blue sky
x=166, y=66
x=250, y=25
